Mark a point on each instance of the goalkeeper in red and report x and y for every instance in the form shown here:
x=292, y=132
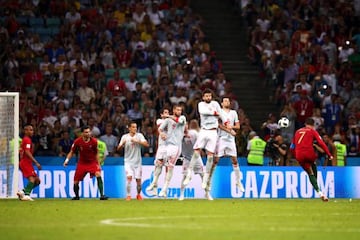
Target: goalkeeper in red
x=305, y=154
x=88, y=161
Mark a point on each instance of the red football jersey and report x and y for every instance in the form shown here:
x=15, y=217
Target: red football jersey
x=304, y=139
x=87, y=150
x=26, y=144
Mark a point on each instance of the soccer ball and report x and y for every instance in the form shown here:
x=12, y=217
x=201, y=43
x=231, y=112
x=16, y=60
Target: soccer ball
x=283, y=122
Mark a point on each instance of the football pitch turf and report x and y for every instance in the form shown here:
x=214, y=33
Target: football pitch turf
x=172, y=219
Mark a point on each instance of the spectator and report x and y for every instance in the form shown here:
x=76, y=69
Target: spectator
x=303, y=108
x=161, y=100
x=72, y=18
x=318, y=119
x=353, y=136
x=117, y=86
x=60, y=110
x=156, y=16
x=98, y=82
x=152, y=140
x=85, y=92
x=138, y=92
x=49, y=117
x=43, y=142
x=78, y=62
x=288, y=133
x=332, y=114
x=131, y=84
x=330, y=50
x=110, y=139
x=95, y=131
x=32, y=77
x=65, y=144
x=305, y=86
x=55, y=51
x=97, y=67
x=36, y=46
x=71, y=116
x=178, y=97
x=123, y=56
x=108, y=57
x=147, y=86
x=345, y=51
x=139, y=13
x=135, y=114
x=270, y=126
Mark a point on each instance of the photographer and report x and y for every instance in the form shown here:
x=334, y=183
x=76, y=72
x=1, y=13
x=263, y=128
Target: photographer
x=345, y=51
x=276, y=149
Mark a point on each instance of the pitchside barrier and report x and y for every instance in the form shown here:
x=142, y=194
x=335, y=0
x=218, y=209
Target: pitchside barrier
x=259, y=182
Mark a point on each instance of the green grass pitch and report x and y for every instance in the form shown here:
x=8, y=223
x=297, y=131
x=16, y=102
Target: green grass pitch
x=171, y=219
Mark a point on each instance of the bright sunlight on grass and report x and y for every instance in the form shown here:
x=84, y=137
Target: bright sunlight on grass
x=170, y=219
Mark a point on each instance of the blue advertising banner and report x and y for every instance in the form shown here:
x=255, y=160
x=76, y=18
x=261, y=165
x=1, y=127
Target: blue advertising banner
x=259, y=182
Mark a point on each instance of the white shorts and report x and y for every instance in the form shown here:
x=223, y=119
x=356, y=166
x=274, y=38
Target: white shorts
x=226, y=148
x=134, y=171
x=207, y=140
x=172, y=155
x=198, y=165
x=161, y=152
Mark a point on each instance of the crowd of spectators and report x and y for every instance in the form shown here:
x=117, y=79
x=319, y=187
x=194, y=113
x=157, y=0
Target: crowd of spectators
x=103, y=64
x=308, y=52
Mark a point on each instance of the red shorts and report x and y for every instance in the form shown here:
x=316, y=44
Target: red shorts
x=27, y=169
x=306, y=159
x=83, y=169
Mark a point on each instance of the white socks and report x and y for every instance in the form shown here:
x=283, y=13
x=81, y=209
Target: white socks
x=128, y=187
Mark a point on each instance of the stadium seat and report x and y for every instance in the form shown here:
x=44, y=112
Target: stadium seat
x=142, y=80
x=53, y=22
x=124, y=73
x=54, y=30
x=109, y=73
x=36, y=22
x=45, y=38
x=143, y=73
x=22, y=20
x=43, y=31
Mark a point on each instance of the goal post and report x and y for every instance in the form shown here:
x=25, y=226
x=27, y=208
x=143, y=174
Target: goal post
x=9, y=144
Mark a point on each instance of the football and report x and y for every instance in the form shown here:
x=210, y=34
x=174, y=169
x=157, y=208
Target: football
x=283, y=122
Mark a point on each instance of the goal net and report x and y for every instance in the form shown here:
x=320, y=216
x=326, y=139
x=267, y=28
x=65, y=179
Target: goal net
x=9, y=144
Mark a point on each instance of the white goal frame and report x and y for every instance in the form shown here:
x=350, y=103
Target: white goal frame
x=15, y=174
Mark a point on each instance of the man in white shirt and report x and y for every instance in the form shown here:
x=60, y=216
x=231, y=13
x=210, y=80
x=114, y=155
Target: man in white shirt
x=209, y=111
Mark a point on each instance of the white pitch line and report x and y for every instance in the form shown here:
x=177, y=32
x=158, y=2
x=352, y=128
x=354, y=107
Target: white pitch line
x=128, y=222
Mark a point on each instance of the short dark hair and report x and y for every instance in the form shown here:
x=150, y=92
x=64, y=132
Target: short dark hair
x=84, y=127
x=26, y=126
x=224, y=97
x=162, y=110
x=132, y=122
x=207, y=90
x=310, y=121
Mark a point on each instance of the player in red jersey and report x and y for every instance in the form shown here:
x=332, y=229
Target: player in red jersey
x=88, y=161
x=26, y=164
x=305, y=154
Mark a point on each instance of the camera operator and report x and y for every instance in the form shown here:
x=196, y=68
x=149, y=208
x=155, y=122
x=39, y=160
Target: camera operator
x=276, y=149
